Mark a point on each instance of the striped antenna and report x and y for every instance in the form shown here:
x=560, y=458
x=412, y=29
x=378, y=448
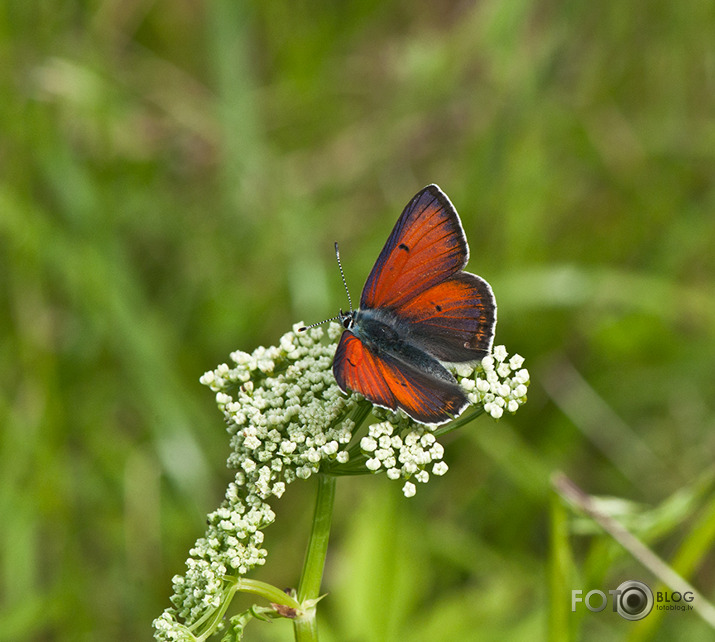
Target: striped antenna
x=342, y=315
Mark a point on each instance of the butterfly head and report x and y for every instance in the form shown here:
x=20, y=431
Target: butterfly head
x=347, y=319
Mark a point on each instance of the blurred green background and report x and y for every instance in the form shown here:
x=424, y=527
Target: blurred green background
x=172, y=178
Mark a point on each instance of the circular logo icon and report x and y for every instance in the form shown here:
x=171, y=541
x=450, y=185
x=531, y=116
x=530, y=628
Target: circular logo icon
x=634, y=601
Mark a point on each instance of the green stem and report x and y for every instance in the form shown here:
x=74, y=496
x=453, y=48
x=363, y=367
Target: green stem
x=267, y=591
x=305, y=626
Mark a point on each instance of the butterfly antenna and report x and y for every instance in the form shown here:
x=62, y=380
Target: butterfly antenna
x=342, y=275
x=314, y=325
x=350, y=303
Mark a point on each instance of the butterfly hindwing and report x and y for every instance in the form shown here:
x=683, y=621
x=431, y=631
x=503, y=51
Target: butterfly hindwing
x=392, y=383
x=426, y=399
x=453, y=320
x=425, y=247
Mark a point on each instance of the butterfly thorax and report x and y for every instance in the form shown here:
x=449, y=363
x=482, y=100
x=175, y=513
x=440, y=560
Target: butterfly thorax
x=380, y=328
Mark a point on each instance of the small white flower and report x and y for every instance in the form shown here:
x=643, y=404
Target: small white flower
x=409, y=489
x=389, y=462
x=494, y=410
x=410, y=467
x=303, y=472
x=463, y=370
x=520, y=391
x=503, y=370
x=373, y=464
x=330, y=448
x=502, y=390
x=437, y=451
x=287, y=447
x=381, y=453
x=499, y=353
x=385, y=441
x=440, y=468
x=468, y=384
x=251, y=443
x=222, y=398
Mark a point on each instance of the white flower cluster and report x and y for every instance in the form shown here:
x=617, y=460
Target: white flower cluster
x=288, y=420
x=403, y=457
x=497, y=383
x=232, y=545
x=284, y=411
x=286, y=417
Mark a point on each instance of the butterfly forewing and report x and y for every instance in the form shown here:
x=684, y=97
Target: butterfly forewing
x=425, y=247
x=355, y=367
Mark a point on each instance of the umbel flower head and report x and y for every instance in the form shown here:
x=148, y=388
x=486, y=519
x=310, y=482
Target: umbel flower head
x=288, y=419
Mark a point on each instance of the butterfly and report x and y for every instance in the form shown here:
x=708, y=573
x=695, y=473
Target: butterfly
x=418, y=311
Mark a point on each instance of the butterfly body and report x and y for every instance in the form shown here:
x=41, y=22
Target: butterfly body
x=418, y=311
x=389, y=337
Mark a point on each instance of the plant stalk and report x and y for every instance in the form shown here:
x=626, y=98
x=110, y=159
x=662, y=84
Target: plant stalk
x=305, y=626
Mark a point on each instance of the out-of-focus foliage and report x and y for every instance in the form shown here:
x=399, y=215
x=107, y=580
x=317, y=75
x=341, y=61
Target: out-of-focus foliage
x=172, y=178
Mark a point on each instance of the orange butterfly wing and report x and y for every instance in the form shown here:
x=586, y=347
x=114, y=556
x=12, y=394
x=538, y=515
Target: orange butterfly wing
x=425, y=247
x=355, y=367
x=395, y=384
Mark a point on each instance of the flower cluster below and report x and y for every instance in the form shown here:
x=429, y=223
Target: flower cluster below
x=496, y=383
x=288, y=420
x=408, y=450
